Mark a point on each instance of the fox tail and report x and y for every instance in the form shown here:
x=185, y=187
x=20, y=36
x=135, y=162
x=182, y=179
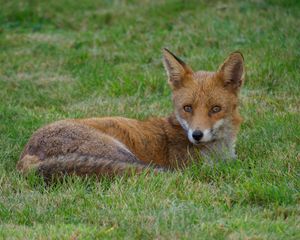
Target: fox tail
x=82, y=165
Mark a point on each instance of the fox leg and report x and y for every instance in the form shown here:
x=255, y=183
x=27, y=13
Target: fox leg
x=67, y=147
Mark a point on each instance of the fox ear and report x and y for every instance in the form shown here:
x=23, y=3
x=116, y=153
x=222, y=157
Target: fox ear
x=231, y=71
x=176, y=69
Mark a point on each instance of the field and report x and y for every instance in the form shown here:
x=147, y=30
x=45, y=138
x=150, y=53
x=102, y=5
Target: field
x=73, y=59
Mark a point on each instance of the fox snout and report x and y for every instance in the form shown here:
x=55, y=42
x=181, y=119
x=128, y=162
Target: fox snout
x=197, y=136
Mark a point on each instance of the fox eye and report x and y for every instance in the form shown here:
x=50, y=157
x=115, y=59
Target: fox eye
x=188, y=108
x=215, y=109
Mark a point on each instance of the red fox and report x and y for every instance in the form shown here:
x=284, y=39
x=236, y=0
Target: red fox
x=204, y=123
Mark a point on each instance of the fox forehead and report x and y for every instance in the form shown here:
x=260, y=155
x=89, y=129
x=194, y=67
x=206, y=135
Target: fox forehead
x=202, y=75
x=205, y=89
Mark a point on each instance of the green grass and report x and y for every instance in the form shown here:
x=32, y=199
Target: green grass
x=65, y=59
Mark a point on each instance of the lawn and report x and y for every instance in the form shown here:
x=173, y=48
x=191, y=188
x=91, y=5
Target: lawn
x=73, y=59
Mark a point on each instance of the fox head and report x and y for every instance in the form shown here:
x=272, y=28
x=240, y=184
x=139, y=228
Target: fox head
x=205, y=103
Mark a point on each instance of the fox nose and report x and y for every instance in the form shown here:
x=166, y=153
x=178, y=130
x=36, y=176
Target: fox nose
x=197, y=135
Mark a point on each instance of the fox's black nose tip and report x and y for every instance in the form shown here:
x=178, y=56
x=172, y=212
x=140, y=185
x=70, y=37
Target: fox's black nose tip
x=197, y=135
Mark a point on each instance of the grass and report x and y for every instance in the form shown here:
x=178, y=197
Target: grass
x=66, y=59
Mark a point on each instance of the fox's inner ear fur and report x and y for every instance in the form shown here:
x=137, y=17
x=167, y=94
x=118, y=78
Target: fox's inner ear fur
x=178, y=72
x=231, y=71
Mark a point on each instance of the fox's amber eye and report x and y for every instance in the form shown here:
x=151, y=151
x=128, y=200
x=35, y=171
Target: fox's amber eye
x=188, y=108
x=216, y=109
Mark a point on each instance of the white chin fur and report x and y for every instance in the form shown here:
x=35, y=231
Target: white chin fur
x=207, y=136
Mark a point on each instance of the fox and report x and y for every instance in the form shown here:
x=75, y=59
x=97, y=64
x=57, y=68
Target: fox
x=204, y=124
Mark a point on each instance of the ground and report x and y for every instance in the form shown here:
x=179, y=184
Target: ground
x=66, y=59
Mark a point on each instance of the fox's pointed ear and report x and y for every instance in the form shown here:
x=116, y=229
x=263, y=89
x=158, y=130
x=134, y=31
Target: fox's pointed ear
x=231, y=72
x=178, y=72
